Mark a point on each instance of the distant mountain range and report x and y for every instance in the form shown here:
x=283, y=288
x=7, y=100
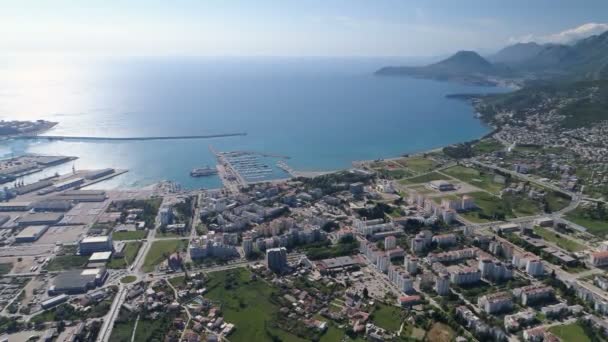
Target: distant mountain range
x=587, y=59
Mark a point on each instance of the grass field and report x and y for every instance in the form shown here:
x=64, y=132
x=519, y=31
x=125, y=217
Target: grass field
x=399, y=173
x=556, y=201
x=558, y=239
x=160, y=250
x=387, y=317
x=247, y=304
x=482, y=180
x=128, y=279
x=422, y=178
x=522, y=205
x=130, y=235
x=570, y=332
x=595, y=227
x=67, y=262
x=490, y=208
x=418, y=164
x=122, y=331
x=131, y=250
x=487, y=146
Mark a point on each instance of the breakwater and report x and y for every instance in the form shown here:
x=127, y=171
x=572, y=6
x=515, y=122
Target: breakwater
x=85, y=138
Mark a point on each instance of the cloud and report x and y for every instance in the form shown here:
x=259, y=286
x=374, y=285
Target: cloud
x=564, y=37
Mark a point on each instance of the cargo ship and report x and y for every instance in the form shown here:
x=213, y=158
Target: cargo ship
x=203, y=171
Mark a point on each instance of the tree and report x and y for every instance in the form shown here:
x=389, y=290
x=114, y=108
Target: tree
x=365, y=293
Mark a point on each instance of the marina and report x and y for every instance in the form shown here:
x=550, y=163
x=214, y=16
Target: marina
x=240, y=168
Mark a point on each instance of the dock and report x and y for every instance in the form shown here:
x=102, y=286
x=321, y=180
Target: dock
x=90, y=138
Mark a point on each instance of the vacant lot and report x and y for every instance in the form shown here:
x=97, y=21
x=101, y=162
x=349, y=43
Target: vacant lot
x=487, y=146
x=585, y=218
x=67, y=262
x=247, y=304
x=418, y=164
x=558, y=239
x=130, y=235
x=441, y=333
x=387, y=317
x=570, y=332
x=422, y=178
x=160, y=250
x=481, y=179
x=131, y=250
x=490, y=208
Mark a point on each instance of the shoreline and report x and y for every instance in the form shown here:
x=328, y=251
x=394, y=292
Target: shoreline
x=312, y=172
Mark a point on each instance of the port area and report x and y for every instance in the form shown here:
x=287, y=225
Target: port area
x=12, y=169
x=52, y=186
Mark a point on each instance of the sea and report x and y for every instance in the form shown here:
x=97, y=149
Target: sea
x=321, y=113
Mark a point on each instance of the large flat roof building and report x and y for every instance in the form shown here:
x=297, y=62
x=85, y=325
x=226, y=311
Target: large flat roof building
x=78, y=281
x=37, y=219
x=92, y=244
x=31, y=233
x=15, y=206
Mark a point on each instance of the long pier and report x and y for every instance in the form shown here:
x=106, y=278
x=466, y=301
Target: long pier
x=84, y=138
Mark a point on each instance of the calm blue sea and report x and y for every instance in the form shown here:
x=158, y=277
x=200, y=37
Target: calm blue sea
x=323, y=113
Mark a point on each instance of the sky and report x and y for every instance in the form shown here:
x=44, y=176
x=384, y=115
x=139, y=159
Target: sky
x=289, y=27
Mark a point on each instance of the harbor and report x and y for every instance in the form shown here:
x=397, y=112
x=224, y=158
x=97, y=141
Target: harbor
x=240, y=168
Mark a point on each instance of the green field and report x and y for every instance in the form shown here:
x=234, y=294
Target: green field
x=160, y=250
x=583, y=217
x=67, y=262
x=490, y=208
x=556, y=201
x=418, y=164
x=131, y=250
x=480, y=179
x=147, y=329
x=570, y=332
x=398, y=173
x=422, y=178
x=130, y=235
x=128, y=279
x=558, y=239
x=522, y=205
x=387, y=317
x=487, y=146
x=247, y=304
x=122, y=331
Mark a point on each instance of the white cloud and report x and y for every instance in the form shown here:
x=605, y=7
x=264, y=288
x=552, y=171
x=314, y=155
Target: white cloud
x=564, y=37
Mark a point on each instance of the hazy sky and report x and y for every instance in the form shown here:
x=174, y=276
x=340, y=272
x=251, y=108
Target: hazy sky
x=289, y=28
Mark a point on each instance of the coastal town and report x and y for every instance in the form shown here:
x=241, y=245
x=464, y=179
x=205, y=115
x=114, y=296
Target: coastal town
x=507, y=242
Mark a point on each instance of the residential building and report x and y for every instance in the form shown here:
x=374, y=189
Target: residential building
x=442, y=284
x=496, y=302
x=276, y=259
